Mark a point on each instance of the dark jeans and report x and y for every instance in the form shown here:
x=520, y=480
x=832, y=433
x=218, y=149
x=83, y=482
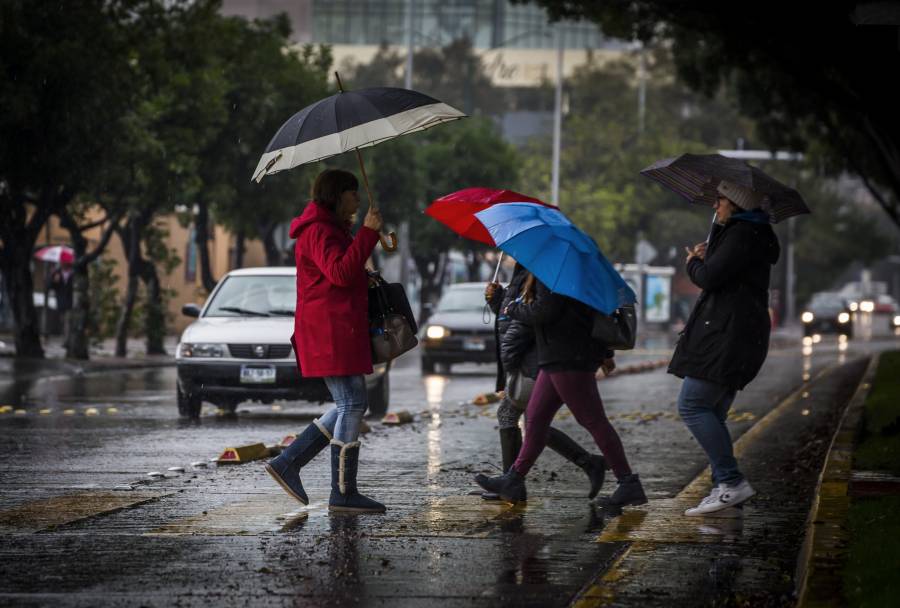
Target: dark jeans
x=578, y=390
x=703, y=406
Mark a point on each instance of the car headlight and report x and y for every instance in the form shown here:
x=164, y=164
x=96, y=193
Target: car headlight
x=192, y=350
x=436, y=332
x=844, y=317
x=897, y=320
x=807, y=317
x=867, y=306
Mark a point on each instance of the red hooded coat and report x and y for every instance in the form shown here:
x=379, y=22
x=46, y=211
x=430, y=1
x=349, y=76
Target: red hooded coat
x=331, y=323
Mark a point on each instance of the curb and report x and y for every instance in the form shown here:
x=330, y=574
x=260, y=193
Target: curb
x=824, y=548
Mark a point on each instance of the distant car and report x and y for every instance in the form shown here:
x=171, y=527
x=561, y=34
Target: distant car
x=239, y=347
x=827, y=313
x=461, y=329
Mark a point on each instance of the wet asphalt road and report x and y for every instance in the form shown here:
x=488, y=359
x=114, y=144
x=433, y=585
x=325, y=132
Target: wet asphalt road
x=83, y=524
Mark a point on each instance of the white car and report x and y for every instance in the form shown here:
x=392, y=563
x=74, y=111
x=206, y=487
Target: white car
x=239, y=347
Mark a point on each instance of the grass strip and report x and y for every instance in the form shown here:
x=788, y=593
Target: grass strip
x=879, y=447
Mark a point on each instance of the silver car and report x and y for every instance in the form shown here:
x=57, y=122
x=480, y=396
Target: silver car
x=239, y=347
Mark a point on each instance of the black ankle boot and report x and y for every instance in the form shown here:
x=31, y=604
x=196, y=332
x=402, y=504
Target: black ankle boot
x=285, y=468
x=593, y=465
x=629, y=492
x=510, y=444
x=344, y=495
x=510, y=486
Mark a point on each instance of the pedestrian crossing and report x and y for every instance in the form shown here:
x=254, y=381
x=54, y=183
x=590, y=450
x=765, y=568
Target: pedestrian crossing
x=50, y=513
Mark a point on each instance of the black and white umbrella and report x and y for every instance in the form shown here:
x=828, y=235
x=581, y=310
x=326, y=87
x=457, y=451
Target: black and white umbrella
x=348, y=121
x=696, y=177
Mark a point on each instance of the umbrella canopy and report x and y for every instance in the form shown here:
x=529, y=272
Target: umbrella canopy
x=457, y=210
x=56, y=253
x=558, y=253
x=696, y=177
x=348, y=121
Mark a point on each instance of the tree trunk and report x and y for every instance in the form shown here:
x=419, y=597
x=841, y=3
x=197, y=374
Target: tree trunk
x=274, y=257
x=239, y=249
x=131, y=243
x=155, y=315
x=77, y=345
x=432, y=271
x=473, y=265
x=201, y=238
x=17, y=268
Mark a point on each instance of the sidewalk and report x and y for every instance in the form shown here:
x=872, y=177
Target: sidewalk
x=102, y=359
x=751, y=560
x=850, y=552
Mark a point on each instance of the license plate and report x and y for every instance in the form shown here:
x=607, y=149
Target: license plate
x=474, y=344
x=258, y=374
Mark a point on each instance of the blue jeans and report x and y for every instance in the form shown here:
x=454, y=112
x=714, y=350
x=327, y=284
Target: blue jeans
x=703, y=406
x=350, y=402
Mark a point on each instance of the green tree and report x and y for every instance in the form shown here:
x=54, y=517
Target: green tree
x=820, y=87
x=66, y=81
x=267, y=82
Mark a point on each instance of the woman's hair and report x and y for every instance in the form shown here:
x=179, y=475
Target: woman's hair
x=331, y=184
x=528, y=289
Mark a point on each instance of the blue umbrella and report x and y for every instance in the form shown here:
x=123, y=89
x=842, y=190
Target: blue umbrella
x=558, y=253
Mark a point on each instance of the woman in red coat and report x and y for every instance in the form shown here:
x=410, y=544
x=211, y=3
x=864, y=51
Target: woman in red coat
x=331, y=335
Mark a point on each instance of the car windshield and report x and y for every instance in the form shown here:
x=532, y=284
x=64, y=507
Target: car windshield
x=462, y=299
x=254, y=296
x=826, y=302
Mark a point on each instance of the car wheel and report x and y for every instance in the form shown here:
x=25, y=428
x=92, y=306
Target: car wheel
x=379, y=396
x=427, y=365
x=188, y=405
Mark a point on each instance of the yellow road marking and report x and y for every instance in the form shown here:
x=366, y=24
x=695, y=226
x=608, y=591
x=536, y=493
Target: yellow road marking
x=69, y=508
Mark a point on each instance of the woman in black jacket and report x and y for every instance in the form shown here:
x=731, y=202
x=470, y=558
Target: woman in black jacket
x=517, y=372
x=568, y=359
x=726, y=338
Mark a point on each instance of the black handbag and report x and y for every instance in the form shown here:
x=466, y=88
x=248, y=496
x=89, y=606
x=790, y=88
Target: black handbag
x=392, y=326
x=618, y=330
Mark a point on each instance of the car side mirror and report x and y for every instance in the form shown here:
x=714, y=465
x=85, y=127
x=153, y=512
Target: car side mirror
x=428, y=307
x=190, y=310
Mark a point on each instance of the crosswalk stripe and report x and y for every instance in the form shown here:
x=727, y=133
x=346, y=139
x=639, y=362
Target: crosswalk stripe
x=256, y=514
x=62, y=510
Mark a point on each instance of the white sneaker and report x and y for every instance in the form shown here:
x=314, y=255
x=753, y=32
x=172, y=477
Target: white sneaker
x=712, y=499
x=723, y=497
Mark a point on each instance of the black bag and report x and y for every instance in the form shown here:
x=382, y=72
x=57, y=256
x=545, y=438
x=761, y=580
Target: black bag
x=618, y=330
x=392, y=326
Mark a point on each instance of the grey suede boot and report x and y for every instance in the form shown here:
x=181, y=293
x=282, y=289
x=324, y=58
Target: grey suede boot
x=629, y=492
x=344, y=495
x=594, y=465
x=285, y=468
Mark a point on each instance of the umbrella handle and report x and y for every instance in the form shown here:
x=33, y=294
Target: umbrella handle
x=392, y=236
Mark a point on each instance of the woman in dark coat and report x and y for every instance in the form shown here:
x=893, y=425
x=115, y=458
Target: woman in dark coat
x=568, y=359
x=331, y=335
x=726, y=338
x=518, y=370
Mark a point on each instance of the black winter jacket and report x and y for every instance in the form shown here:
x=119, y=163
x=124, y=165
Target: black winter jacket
x=726, y=338
x=562, y=330
x=516, y=348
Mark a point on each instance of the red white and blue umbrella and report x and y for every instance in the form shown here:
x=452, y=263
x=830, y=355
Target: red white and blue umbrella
x=55, y=253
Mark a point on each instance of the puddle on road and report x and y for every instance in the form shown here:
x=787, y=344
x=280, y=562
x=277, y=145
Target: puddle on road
x=62, y=510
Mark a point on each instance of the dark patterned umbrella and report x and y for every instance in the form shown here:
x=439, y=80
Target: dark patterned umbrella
x=696, y=177
x=348, y=121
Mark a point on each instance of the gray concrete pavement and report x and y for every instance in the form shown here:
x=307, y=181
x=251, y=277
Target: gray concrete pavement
x=216, y=534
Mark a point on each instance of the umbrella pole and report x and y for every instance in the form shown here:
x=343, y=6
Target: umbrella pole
x=497, y=270
x=362, y=168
